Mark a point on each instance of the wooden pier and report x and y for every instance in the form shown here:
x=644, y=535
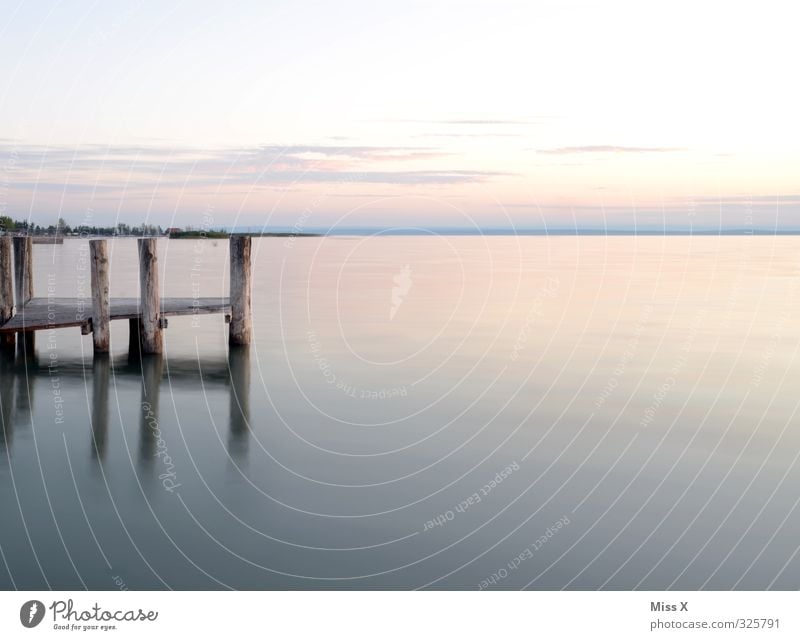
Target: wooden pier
x=147, y=314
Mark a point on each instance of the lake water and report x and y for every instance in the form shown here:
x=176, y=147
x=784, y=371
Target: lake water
x=419, y=412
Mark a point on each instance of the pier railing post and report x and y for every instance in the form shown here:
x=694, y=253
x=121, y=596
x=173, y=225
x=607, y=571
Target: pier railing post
x=241, y=326
x=6, y=290
x=101, y=309
x=149, y=298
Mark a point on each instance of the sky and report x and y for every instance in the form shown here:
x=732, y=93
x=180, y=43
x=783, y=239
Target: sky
x=323, y=115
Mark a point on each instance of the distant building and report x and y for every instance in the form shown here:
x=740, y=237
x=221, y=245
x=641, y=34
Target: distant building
x=172, y=230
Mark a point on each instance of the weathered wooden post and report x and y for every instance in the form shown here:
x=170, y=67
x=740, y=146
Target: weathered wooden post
x=6, y=290
x=23, y=277
x=23, y=269
x=150, y=335
x=241, y=328
x=101, y=306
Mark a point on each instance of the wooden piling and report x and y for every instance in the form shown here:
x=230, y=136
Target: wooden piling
x=101, y=306
x=149, y=298
x=23, y=270
x=241, y=325
x=6, y=290
x=23, y=279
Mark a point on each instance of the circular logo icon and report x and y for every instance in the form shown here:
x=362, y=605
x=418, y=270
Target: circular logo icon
x=31, y=613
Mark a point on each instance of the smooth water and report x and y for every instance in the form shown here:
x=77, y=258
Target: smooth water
x=419, y=412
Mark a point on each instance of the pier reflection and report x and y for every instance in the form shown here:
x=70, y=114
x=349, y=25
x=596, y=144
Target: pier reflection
x=239, y=431
x=26, y=368
x=152, y=370
x=26, y=346
x=101, y=372
x=22, y=371
x=7, y=385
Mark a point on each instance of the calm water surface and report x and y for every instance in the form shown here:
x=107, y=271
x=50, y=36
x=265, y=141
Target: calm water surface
x=419, y=412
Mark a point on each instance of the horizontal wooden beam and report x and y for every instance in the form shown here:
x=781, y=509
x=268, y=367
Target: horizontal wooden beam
x=55, y=313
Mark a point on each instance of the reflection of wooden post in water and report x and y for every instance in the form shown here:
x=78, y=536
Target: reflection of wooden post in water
x=239, y=364
x=101, y=305
x=101, y=370
x=26, y=346
x=23, y=275
x=149, y=426
x=7, y=380
x=6, y=291
x=149, y=298
x=24, y=359
x=134, y=341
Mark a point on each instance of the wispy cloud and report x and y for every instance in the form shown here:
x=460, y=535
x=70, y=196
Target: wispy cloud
x=103, y=168
x=475, y=121
x=399, y=195
x=484, y=122
x=606, y=148
x=487, y=134
x=774, y=199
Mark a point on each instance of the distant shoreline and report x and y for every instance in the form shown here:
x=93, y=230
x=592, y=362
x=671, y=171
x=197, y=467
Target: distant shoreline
x=216, y=235
x=565, y=232
x=212, y=235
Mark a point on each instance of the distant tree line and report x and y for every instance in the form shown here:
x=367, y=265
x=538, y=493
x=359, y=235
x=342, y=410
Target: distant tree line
x=8, y=225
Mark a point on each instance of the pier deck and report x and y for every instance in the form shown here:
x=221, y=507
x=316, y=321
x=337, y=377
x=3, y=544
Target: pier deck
x=54, y=313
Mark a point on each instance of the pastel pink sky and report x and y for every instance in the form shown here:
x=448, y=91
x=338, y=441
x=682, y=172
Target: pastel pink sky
x=488, y=114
